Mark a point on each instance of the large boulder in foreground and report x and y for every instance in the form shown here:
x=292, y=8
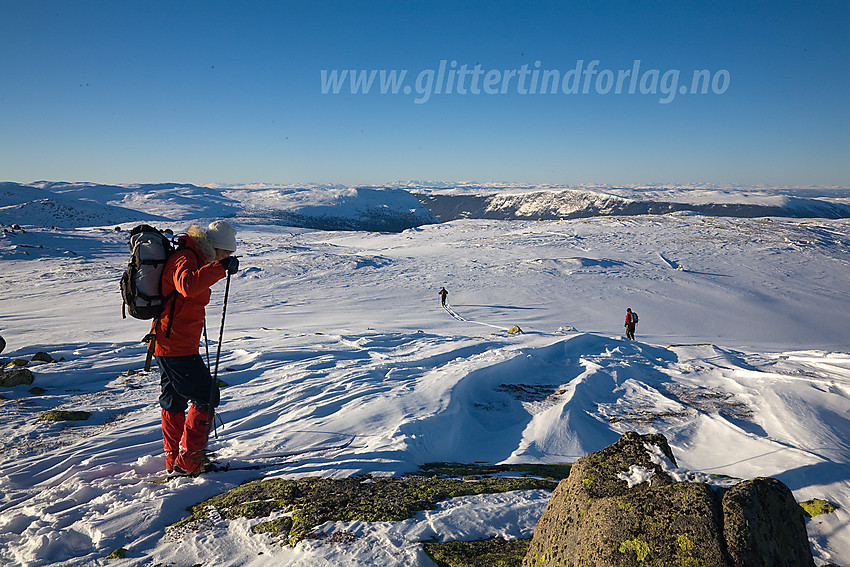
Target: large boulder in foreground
x=16, y=377
x=621, y=506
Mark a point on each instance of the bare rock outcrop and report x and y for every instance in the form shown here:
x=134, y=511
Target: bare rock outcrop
x=621, y=506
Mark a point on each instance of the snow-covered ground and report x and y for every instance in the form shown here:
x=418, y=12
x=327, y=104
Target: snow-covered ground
x=331, y=335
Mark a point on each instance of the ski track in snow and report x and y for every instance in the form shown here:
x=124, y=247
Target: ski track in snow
x=337, y=334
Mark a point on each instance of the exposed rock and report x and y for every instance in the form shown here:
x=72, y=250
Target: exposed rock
x=619, y=506
x=17, y=377
x=314, y=501
x=494, y=552
x=63, y=415
x=42, y=357
x=816, y=507
x=119, y=553
x=2, y=344
x=764, y=525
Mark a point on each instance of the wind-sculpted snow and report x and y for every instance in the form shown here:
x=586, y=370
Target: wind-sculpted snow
x=408, y=399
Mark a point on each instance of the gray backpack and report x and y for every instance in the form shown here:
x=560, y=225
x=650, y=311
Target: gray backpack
x=141, y=283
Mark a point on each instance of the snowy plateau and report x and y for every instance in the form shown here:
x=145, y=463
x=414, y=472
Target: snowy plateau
x=334, y=331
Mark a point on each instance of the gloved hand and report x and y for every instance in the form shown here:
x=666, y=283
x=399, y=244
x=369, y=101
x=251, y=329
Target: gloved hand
x=230, y=264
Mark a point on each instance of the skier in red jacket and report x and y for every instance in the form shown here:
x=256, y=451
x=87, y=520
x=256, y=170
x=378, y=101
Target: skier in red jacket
x=203, y=258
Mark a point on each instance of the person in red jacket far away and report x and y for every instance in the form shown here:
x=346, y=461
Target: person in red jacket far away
x=203, y=257
x=631, y=322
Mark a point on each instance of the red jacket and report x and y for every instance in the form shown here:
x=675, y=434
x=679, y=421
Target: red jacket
x=191, y=275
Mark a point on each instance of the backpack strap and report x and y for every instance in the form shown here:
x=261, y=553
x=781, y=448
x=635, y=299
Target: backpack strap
x=150, y=338
x=171, y=295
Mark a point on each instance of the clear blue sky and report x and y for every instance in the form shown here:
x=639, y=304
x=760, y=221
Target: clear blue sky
x=227, y=92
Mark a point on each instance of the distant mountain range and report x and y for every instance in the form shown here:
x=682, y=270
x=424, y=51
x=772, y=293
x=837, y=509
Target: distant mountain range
x=395, y=207
x=572, y=203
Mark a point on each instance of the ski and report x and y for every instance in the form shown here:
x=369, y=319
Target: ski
x=451, y=312
x=282, y=459
x=282, y=456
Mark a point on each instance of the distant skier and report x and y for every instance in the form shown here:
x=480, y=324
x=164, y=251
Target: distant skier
x=202, y=259
x=631, y=322
x=443, y=294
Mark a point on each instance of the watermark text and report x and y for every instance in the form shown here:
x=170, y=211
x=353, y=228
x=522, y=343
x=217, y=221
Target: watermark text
x=585, y=78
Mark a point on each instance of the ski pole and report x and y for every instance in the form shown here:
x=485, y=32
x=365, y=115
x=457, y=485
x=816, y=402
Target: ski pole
x=218, y=354
x=206, y=342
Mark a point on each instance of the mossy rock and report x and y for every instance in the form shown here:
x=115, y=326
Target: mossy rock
x=42, y=357
x=119, y=553
x=595, y=519
x=17, y=377
x=36, y=391
x=816, y=507
x=764, y=525
x=314, y=501
x=495, y=552
x=557, y=471
x=63, y=415
x=278, y=526
x=17, y=362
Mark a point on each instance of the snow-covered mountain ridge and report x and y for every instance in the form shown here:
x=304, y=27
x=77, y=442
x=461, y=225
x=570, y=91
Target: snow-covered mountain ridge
x=395, y=207
x=582, y=203
x=322, y=207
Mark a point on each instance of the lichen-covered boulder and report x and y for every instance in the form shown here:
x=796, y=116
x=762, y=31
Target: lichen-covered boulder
x=764, y=525
x=620, y=506
x=17, y=377
x=594, y=518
